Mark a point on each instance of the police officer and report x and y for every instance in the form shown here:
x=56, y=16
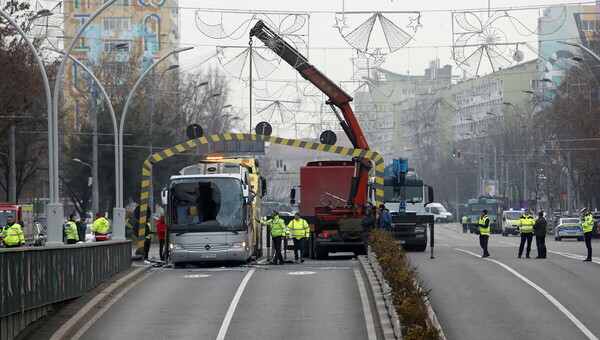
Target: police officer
x=300, y=231
x=100, y=227
x=540, y=235
x=587, y=225
x=483, y=226
x=525, y=226
x=12, y=234
x=147, y=240
x=71, y=230
x=465, y=223
x=277, y=232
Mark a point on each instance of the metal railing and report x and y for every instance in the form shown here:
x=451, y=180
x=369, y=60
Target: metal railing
x=36, y=276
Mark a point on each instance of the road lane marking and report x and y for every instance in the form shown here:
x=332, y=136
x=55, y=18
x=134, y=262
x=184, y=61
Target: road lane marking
x=233, y=305
x=547, y=295
x=196, y=276
x=366, y=306
x=574, y=256
x=306, y=272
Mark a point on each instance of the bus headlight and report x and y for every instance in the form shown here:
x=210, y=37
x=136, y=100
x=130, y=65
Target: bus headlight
x=174, y=246
x=419, y=229
x=239, y=244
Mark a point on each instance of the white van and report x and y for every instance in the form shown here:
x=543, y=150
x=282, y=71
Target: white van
x=440, y=214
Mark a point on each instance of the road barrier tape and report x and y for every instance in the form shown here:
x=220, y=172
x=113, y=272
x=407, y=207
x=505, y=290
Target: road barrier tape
x=193, y=143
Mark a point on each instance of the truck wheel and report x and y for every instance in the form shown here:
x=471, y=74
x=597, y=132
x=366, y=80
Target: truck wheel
x=421, y=247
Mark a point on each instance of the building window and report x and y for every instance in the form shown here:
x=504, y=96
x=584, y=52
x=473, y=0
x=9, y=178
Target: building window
x=118, y=24
x=119, y=3
x=109, y=45
x=589, y=25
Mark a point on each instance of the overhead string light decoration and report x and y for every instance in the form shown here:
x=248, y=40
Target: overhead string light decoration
x=481, y=45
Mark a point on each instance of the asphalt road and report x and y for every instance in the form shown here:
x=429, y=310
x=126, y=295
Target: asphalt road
x=504, y=297
x=313, y=300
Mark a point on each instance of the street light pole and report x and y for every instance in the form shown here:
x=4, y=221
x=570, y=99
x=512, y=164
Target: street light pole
x=53, y=208
x=119, y=211
x=114, y=121
x=94, y=184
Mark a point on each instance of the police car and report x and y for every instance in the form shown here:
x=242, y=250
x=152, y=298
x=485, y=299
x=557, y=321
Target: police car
x=568, y=227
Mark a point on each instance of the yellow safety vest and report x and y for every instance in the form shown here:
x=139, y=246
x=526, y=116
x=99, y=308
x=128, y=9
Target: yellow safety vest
x=277, y=226
x=483, y=230
x=71, y=231
x=526, y=223
x=148, y=233
x=465, y=219
x=100, y=229
x=588, y=223
x=299, y=229
x=13, y=235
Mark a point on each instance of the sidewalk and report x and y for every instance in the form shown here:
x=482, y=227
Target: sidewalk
x=153, y=253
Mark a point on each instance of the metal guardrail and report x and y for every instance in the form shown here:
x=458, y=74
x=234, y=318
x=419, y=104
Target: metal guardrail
x=36, y=276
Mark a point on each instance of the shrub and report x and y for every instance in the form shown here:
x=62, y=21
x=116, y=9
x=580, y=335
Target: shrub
x=408, y=300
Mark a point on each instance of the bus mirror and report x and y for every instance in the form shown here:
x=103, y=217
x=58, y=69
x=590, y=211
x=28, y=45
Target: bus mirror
x=245, y=190
x=293, y=194
x=164, y=194
x=429, y=194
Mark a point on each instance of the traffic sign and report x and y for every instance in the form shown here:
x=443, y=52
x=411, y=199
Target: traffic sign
x=328, y=137
x=194, y=131
x=263, y=128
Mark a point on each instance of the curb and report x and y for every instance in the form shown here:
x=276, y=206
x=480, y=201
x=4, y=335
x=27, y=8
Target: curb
x=382, y=310
x=431, y=318
x=71, y=326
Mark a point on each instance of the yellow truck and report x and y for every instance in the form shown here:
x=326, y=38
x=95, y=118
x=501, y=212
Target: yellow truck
x=258, y=190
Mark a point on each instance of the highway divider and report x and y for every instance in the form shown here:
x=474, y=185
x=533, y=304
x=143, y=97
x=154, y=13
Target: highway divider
x=406, y=303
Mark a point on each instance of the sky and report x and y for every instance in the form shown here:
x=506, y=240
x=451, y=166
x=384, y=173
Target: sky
x=331, y=53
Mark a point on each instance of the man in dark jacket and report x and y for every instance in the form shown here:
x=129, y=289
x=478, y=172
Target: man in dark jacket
x=539, y=228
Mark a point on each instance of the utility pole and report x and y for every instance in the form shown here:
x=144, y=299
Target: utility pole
x=569, y=184
x=12, y=175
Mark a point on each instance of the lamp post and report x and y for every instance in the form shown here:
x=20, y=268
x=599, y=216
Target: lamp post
x=114, y=121
x=55, y=210
x=156, y=85
x=585, y=49
x=119, y=211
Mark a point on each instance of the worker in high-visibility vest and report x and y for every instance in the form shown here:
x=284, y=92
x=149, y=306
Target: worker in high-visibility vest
x=587, y=225
x=300, y=232
x=147, y=240
x=277, y=226
x=483, y=226
x=525, y=226
x=71, y=230
x=100, y=228
x=465, y=223
x=12, y=234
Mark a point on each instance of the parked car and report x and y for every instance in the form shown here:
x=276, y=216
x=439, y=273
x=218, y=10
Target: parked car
x=596, y=216
x=39, y=238
x=89, y=235
x=568, y=227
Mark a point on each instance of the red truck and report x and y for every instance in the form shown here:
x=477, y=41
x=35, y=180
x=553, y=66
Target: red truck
x=333, y=193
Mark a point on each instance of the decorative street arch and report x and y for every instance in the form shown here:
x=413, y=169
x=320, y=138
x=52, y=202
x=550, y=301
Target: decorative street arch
x=193, y=143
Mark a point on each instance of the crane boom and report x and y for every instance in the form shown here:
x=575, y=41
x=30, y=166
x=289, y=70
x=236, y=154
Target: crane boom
x=337, y=96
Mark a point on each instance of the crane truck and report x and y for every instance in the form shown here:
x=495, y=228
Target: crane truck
x=333, y=193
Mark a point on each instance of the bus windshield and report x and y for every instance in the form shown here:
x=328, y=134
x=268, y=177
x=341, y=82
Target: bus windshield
x=478, y=207
x=206, y=204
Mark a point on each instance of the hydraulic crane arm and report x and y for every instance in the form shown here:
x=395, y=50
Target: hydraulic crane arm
x=337, y=96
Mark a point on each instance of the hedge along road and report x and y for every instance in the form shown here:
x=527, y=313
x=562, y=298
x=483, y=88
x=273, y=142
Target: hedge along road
x=313, y=300
x=505, y=297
